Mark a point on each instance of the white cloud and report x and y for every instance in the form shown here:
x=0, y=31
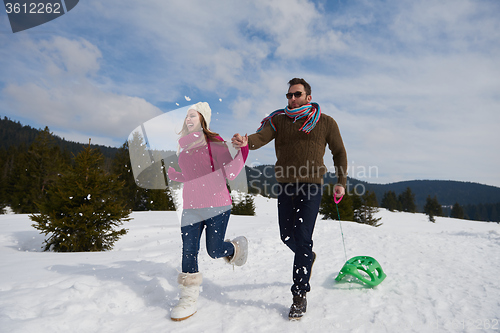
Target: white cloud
x=65, y=98
x=75, y=57
x=447, y=25
x=81, y=106
x=406, y=80
x=296, y=29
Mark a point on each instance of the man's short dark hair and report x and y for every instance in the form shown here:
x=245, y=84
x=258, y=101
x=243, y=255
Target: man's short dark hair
x=303, y=82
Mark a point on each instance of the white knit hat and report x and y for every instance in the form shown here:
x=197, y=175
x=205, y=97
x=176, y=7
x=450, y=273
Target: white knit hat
x=204, y=109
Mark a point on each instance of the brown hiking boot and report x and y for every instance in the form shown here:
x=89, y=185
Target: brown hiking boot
x=298, y=307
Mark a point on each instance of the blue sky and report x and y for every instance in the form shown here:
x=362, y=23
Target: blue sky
x=413, y=85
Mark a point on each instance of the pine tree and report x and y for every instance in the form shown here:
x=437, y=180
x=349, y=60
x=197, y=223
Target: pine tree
x=154, y=200
x=9, y=175
x=494, y=217
x=457, y=211
x=390, y=201
x=407, y=201
x=3, y=179
x=243, y=204
x=482, y=212
x=34, y=172
x=365, y=213
x=82, y=209
x=138, y=198
x=432, y=208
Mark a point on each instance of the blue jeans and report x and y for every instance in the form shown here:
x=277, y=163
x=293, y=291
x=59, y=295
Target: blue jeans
x=298, y=206
x=193, y=222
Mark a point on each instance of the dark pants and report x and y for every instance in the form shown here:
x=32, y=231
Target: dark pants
x=215, y=232
x=298, y=206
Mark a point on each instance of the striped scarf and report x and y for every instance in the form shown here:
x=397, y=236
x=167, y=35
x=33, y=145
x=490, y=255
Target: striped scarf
x=312, y=111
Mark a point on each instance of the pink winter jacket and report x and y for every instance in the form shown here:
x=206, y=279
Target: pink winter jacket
x=204, y=171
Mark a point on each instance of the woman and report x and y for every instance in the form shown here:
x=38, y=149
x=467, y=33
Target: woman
x=205, y=164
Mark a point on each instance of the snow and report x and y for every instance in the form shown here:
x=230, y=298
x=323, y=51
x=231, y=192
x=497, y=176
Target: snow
x=441, y=277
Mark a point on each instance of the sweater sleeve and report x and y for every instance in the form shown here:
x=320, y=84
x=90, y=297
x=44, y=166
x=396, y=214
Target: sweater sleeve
x=231, y=166
x=220, y=153
x=262, y=138
x=336, y=145
x=233, y=169
x=244, y=152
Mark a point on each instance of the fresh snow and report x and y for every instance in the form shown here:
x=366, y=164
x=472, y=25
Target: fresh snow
x=441, y=277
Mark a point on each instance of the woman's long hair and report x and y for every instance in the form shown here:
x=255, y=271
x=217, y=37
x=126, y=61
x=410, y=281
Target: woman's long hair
x=209, y=135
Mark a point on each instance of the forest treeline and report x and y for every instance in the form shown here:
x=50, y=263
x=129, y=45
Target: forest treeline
x=31, y=162
x=409, y=196
x=29, y=171
x=13, y=133
x=32, y=159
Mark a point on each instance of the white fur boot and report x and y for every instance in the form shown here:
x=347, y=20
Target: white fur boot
x=239, y=258
x=189, y=283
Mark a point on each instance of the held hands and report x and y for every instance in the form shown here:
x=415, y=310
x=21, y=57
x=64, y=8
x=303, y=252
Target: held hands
x=239, y=141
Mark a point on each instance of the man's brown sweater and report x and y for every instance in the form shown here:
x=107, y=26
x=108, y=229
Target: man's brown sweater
x=300, y=155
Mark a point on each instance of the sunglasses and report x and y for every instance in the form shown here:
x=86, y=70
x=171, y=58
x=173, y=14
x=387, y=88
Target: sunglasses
x=297, y=94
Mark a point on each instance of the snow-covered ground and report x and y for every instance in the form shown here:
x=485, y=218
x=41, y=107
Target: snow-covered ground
x=442, y=277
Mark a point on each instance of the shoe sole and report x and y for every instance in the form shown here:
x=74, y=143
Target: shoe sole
x=243, y=244
x=181, y=319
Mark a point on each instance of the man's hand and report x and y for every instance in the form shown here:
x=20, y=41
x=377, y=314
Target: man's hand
x=339, y=191
x=239, y=141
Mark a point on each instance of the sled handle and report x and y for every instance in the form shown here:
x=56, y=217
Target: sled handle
x=335, y=198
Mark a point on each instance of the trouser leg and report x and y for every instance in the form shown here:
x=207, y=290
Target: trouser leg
x=298, y=206
x=191, y=234
x=215, y=234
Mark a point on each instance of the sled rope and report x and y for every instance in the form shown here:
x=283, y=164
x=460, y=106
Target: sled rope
x=338, y=214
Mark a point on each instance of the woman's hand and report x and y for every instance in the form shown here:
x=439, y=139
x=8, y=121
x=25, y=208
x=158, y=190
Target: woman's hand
x=170, y=172
x=239, y=141
x=174, y=175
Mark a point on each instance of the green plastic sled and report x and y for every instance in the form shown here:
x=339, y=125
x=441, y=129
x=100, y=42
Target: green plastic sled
x=365, y=264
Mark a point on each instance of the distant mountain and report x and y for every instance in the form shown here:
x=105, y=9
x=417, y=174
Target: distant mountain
x=13, y=133
x=261, y=178
x=448, y=192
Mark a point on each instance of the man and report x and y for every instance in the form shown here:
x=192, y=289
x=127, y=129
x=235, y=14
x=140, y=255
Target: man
x=300, y=134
